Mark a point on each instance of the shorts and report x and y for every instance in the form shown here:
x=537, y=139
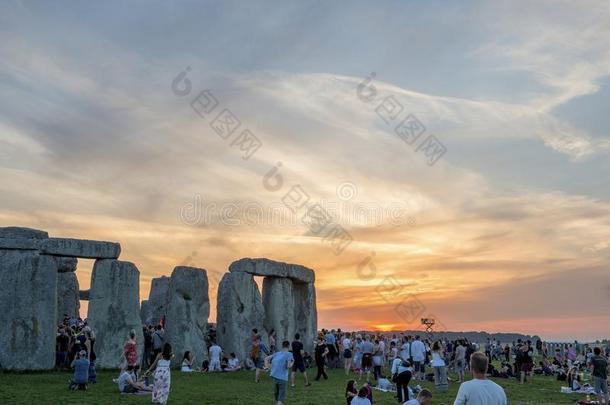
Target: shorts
x=367, y=361
x=460, y=365
x=298, y=365
x=259, y=363
x=279, y=389
x=527, y=367
x=347, y=354
x=600, y=385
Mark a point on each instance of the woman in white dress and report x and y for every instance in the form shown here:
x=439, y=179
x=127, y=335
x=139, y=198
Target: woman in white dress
x=161, y=366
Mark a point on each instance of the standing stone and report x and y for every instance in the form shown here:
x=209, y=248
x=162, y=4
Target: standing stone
x=28, y=306
x=86, y=249
x=156, y=307
x=306, y=314
x=114, y=309
x=240, y=309
x=188, y=310
x=145, y=312
x=68, y=302
x=66, y=264
x=278, y=301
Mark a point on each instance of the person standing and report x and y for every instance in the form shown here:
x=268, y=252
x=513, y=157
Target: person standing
x=321, y=352
x=130, y=350
x=346, y=344
x=367, y=357
x=299, y=362
x=281, y=362
x=161, y=366
x=157, y=342
x=480, y=390
x=401, y=376
x=439, y=368
x=599, y=370
x=460, y=360
x=418, y=354
x=215, y=354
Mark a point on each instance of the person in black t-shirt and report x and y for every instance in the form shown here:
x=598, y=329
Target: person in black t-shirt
x=599, y=371
x=62, y=346
x=299, y=362
x=321, y=352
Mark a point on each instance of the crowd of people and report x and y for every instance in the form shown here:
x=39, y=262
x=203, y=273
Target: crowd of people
x=376, y=361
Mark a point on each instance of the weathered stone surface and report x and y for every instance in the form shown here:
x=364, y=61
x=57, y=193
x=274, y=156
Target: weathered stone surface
x=188, y=310
x=266, y=267
x=145, y=312
x=306, y=313
x=156, y=307
x=68, y=302
x=88, y=249
x=19, y=243
x=240, y=309
x=28, y=304
x=278, y=301
x=114, y=309
x=15, y=232
x=83, y=295
x=66, y=264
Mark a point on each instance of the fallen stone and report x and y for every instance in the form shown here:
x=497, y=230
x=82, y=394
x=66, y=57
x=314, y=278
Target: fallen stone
x=114, y=309
x=270, y=268
x=15, y=232
x=239, y=310
x=68, y=303
x=66, y=264
x=28, y=306
x=188, y=310
x=88, y=249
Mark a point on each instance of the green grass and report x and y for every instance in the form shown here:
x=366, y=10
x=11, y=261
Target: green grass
x=239, y=388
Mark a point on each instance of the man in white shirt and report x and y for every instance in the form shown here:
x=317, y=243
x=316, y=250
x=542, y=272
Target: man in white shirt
x=480, y=390
x=423, y=398
x=418, y=354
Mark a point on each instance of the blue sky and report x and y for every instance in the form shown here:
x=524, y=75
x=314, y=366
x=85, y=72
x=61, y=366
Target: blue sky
x=93, y=143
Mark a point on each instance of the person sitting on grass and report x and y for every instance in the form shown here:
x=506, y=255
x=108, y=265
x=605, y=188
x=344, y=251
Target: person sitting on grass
x=480, y=390
x=81, y=372
x=128, y=383
x=233, y=363
x=423, y=398
x=351, y=391
x=280, y=362
x=187, y=362
x=361, y=398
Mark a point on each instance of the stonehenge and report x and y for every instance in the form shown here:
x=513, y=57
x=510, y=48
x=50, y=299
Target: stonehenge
x=287, y=305
x=114, y=309
x=40, y=285
x=239, y=309
x=68, y=301
x=188, y=309
x=28, y=304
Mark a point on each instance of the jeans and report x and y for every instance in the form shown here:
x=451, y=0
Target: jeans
x=440, y=378
x=92, y=375
x=279, y=389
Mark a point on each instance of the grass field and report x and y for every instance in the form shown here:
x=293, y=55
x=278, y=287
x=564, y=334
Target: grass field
x=239, y=388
